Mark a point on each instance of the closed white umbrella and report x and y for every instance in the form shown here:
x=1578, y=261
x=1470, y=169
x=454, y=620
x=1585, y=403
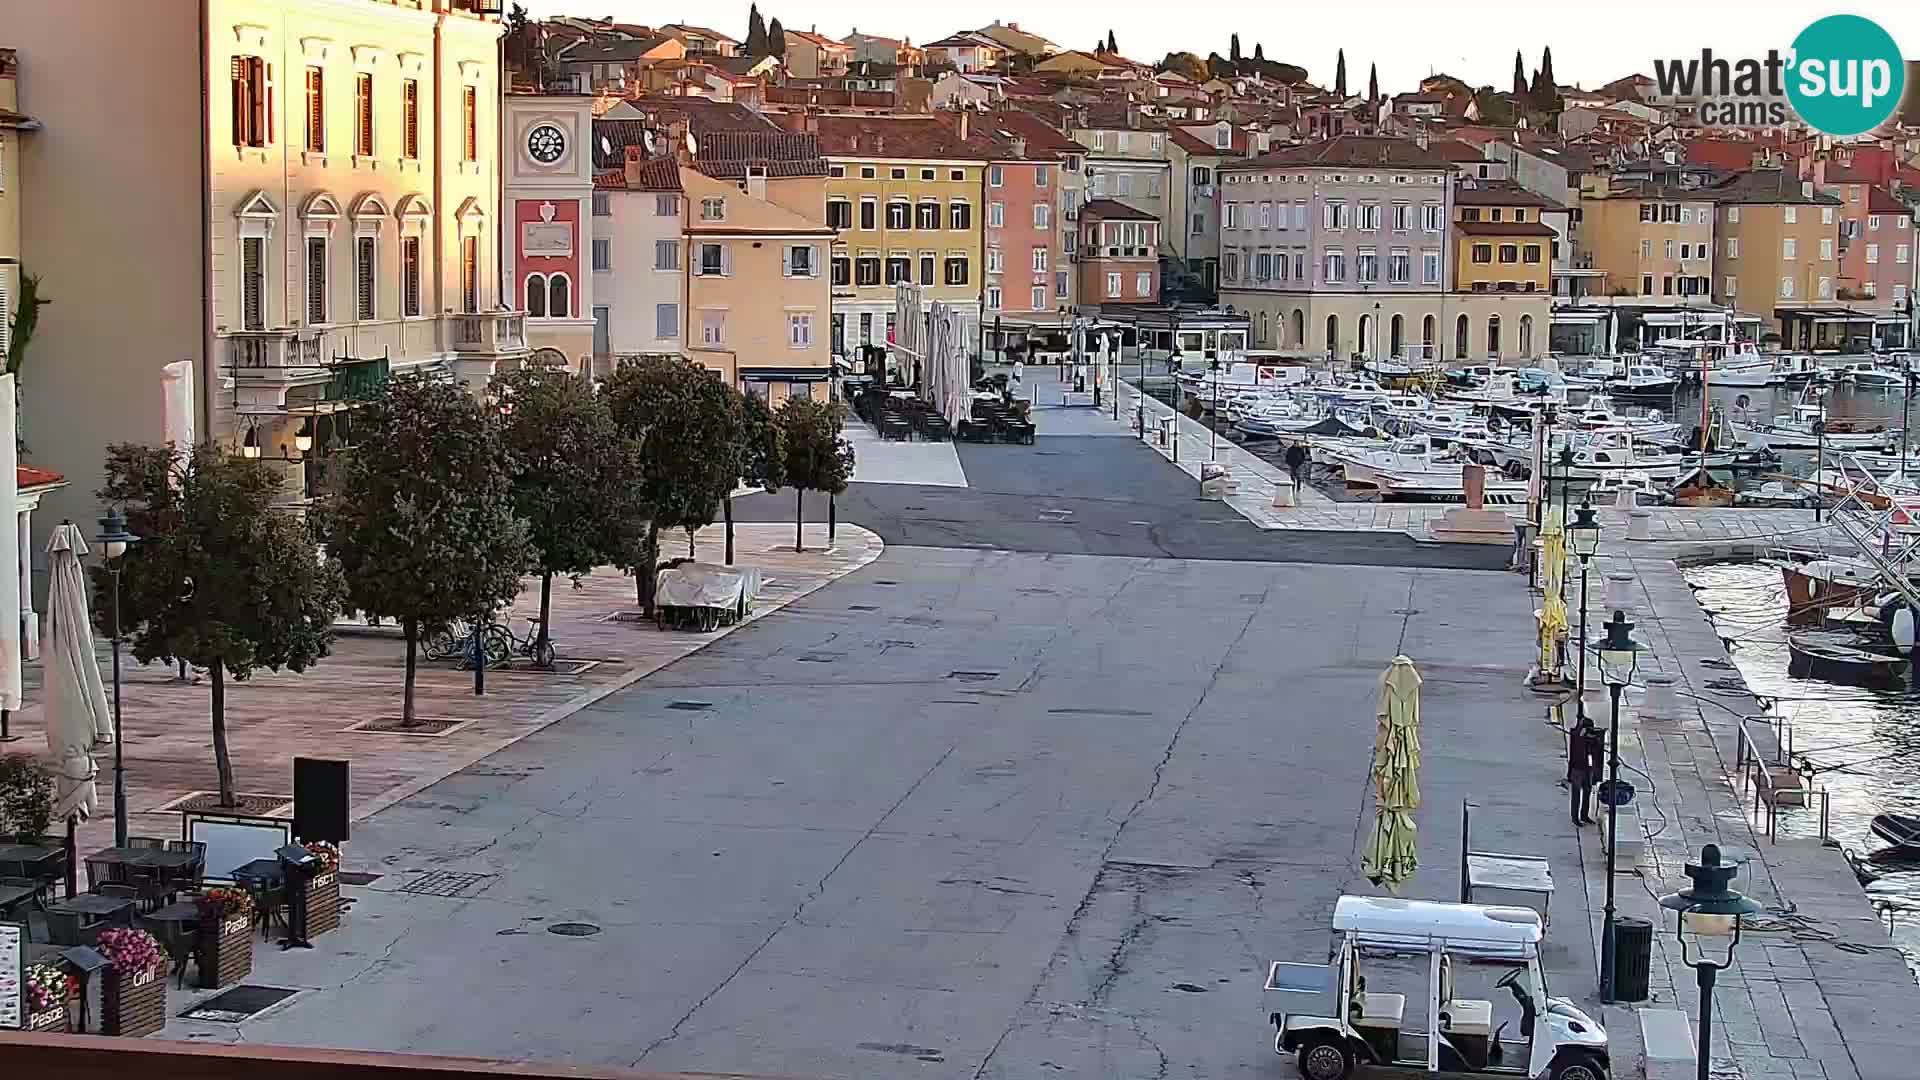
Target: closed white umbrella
x=78, y=721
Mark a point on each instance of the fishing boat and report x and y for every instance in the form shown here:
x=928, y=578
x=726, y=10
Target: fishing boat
x=1842, y=656
x=1798, y=432
x=1442, y=483
x=1868, y=375
x=1644, y=381
x=1646, y=492
x=1774, y=494
x=1816, y=585
x=1350, y=392
x=1699, y=489
x=1900, y=830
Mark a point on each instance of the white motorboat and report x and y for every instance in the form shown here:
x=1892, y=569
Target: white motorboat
x=1604, y=455
x=1276, y=416
x=1797, y=433
x=1868, y=375
x=1362, y=461
x=1646, y=490
x=1449, y=425
x=1644, y=380
x=1598, y=415
x=1351, y=392
x=1443, y=484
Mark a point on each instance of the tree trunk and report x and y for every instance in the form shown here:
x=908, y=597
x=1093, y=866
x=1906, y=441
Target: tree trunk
x=412, y=629
x=222, y=763
x=690, y=544
x=799, y=516
x=546, y=609
x=726, y=511
x=649, y=569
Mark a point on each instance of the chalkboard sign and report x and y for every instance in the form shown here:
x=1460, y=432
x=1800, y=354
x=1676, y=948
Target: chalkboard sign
x=13, y=976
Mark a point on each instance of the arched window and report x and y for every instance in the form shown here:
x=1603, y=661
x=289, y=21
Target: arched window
x=1426, y=335
x=1299, y=328
x=537, y=295
x=1460, y=338
x=1526, y=335
x=559, y=296
x=1364, y=343
x=1396, y=335
x=1493, y=335
x=1333, y=335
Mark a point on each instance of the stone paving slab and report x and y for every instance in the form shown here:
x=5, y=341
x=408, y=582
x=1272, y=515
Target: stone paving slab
x=273, y=717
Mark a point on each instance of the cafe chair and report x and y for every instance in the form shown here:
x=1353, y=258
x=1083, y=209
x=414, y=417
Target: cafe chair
x=105, y=872
x=65, y=928
x=178, y=939
x=153, y=843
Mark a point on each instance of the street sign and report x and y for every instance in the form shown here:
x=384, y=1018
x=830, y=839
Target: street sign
x=1614, y=793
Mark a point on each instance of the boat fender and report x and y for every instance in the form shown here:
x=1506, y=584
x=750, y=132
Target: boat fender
x=1903, y=628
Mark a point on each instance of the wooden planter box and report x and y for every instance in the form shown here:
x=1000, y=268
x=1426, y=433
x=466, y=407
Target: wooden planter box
x=323, y=905
x=133, y=1007
x=225, y=951
x=54, y=1019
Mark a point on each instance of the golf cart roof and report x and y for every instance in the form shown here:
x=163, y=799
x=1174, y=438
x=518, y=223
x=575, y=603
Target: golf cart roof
x=1477, y=929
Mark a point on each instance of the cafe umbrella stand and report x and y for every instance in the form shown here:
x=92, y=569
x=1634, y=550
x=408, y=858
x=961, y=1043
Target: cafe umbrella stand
x=78, y=722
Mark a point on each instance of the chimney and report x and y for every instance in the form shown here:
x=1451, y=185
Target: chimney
x=963, y=125
x=756, y=184
x=1806, y=188
x=1020, y=147
x=1420, y=137
x=636, y=159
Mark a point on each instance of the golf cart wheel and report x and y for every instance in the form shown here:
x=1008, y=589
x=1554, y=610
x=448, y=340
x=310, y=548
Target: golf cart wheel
x=1577, y=1067
x=1327, y=1058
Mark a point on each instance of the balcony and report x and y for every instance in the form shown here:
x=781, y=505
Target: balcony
x=275, y=356
x=488, y=332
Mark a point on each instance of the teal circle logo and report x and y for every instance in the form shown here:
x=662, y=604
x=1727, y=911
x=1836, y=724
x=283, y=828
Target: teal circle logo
x=1846, y=75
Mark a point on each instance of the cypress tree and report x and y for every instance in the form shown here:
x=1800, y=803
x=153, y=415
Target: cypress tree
x=776, y=38
x=1340, y=75
x=1111, y=47
x=756, y=32
x=1233, y=48
x=1373, y=88
x=1519, y=75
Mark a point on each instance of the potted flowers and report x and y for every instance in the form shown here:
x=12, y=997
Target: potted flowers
x=323, y=891
x=226, y=936
x=49, y=988
x=133, y=992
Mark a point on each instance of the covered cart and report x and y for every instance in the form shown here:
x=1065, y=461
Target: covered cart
x=704, y=596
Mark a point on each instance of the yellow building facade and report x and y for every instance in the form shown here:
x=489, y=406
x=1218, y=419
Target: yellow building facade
x=1775, y=242
x=1652, y=240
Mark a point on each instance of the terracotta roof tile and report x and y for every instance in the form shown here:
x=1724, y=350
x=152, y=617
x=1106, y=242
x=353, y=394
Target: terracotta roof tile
x=26, y=476
x=1499, y=193
x=1350, y=151
x=726, y=155
x=656, y=174
x=1881, y=201
x=908, y=137
x=1766, y=186
x=1112, y=210
x=1505, y=228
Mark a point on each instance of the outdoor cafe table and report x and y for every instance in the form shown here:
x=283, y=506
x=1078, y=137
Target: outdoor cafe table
x=154, y=858
x=92, y=905
x=26, y=853
x=13, y=895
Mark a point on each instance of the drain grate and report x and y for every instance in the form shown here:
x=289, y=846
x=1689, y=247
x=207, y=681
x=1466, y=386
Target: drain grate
x=573, y=929
x=430, y=727
x=239, y=1003
x=690, y=706
x=446, y=883
x=973, y=676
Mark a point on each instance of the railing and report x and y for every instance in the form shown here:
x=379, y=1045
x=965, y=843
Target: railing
x=273, y=354
x=489, y=332
x=1762, y=779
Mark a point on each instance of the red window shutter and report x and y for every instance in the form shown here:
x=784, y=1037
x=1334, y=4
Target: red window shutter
x=262, y=102
x=241, y=102
x=363, y=89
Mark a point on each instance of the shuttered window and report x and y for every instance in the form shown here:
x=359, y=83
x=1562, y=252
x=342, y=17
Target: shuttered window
x=471, y=100
x=410, y=119
x=252, y=80
x=253, y=286
x=363, y=118
x=6, y=319
x=316, y=280
x=316, y=110
x=410, y=275
x=363, y=266
x=470, y=273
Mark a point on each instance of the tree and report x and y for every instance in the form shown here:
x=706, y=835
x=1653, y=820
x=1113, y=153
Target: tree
x=1259, y=52
x=1340, y=76
x=1111, y=47
x=756, y=32
x=570, y=467
x=679, y=415
x=1233, y=48
x=219, y=578
x=1186, y=64
x=1546, y=92
x=1519, y=75
x=1373, y=90
x=757, y=457
x=420, y=513
x=776, y=39
x=815, y=457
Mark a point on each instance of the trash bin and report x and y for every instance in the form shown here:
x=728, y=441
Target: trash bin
x=1632, y=958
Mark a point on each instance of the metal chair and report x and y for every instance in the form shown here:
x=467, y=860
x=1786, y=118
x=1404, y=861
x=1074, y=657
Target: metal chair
x=153, y=843
x=105, y=872
x=178, y=939
x=67, y=928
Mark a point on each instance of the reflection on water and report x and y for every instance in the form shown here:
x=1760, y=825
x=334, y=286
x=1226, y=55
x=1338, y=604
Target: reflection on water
x=1865, y=744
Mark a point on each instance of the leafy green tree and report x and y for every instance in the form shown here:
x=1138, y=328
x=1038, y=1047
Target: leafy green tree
x=776, y=39
x=1186, y=64
x=26, y=318
x=756, y=32
x=421, y=513
x=680, y=416
x=757, y=461
x=571, y=470
x=219, y=577
x=814, y=456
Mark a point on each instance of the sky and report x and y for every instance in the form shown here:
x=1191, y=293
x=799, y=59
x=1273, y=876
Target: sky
x=1592, y=43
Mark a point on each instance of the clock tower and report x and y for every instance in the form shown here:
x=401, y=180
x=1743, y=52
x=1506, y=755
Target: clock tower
x=548, y=159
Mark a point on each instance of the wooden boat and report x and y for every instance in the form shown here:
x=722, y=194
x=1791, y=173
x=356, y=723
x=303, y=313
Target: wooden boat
x=1900, y=830
x=1839, y=657
x=1819, y=584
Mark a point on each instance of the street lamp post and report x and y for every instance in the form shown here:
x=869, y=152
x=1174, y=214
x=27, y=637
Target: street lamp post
x=1619, y=655
x=1213, y=427
x=1585, y=536
x=1712, y=908
x=114, y=539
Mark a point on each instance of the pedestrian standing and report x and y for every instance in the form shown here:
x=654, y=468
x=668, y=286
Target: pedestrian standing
x=1584, y=752
x=1019, y=375
x=1296, y=463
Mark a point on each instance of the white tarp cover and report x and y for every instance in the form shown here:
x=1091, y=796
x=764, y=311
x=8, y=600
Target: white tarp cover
x=707, y=585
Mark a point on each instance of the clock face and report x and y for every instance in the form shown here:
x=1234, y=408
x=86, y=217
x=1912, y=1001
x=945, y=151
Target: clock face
x=546, y=143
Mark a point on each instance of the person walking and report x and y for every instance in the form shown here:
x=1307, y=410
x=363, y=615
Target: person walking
x=1585, y=750
x=1019, y=375
x=1296, y=463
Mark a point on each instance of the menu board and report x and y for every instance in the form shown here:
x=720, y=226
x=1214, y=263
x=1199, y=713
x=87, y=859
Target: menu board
x=13, y=983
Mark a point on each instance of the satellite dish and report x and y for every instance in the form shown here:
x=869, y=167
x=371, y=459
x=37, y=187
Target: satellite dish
x=693, y=145
x=647, y=137
x=606, y=146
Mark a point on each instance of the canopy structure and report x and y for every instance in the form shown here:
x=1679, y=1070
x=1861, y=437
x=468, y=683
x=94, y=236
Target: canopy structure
x=1390, y=858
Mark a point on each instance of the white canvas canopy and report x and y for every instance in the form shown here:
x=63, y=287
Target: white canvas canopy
x=77, y=719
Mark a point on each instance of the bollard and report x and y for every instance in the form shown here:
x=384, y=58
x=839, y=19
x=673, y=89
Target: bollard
x=1661, y=702
x=1620, y=592
x=1640, y=525
x=1284, y=494
x=1626, y=500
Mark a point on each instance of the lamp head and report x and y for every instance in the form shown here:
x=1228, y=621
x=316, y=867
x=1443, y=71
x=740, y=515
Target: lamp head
x=1584, y=532
x=1619, y=653
x=1711, y=892
x=250, y=446
x=114, y=536
x=1566, y=457
x=303, y=439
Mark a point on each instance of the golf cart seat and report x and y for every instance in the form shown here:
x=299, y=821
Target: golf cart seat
x=1374, y=1009
x=1467, y=1018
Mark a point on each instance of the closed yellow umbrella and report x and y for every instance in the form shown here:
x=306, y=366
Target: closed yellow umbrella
x=1553, y=610
x=1390, y=857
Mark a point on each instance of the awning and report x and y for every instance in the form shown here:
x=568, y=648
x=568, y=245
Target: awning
x=1578, y=317
x=795, y=374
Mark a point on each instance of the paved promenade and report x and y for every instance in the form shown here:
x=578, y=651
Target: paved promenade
x=273, y=717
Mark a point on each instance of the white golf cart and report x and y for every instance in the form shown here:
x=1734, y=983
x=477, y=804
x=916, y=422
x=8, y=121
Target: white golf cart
x=1336, y=1024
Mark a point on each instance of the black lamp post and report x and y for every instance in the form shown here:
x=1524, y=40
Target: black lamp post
x=1566, y=486
x=1712, y=909
x=114, y=539
x=1619, y=655
x=1213, y=443
x=1584, y=535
